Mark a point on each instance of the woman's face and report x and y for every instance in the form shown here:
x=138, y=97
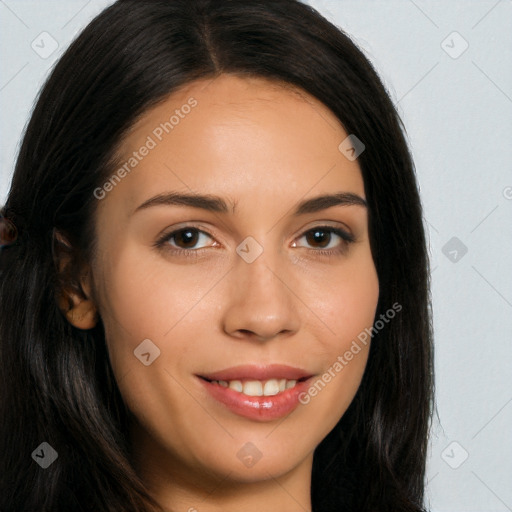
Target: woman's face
x=220, y=276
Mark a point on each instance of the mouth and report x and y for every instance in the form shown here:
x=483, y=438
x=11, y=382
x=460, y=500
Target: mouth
x=270, y=387
x=261, y=393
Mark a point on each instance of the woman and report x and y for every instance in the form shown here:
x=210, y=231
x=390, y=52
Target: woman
x=214, y=281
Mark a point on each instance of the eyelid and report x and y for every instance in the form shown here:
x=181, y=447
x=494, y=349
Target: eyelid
x=336, y=227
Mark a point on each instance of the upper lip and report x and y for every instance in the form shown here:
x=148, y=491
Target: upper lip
x=258, y=372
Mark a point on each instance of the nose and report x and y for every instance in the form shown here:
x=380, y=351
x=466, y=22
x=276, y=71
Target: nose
x=261, y=304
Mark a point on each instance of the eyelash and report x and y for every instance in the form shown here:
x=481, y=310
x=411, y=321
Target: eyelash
x=346, y=239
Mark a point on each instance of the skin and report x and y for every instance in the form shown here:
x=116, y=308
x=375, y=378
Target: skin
x=264, y=148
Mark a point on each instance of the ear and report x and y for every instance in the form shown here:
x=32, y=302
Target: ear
x=74, y=290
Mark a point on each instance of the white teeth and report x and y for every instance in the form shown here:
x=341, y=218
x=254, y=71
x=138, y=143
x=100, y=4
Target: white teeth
x=236, y=385
x=270, y=387
x=290, y=384
x=253, y=388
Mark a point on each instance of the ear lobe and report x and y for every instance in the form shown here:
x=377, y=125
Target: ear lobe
x=83, y=313
x=74, y=286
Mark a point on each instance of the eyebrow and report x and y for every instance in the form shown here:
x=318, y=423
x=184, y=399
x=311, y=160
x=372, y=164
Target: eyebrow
x=217, y=204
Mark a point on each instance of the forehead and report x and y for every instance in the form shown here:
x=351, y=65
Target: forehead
x=234, y=136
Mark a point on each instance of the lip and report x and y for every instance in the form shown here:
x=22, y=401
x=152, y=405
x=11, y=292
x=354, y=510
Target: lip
x=257, y=408
x=259, y=372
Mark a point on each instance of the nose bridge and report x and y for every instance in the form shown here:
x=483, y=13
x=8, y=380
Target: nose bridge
x=260, y=301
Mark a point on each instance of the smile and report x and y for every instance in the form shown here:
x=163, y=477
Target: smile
x=270, y=387
x=258, y=393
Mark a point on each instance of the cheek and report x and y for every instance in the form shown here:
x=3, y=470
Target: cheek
x=345, y=299
x=146, y=298
x=346, y=303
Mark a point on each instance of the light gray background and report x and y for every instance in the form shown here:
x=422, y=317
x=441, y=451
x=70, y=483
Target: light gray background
x=457, y=108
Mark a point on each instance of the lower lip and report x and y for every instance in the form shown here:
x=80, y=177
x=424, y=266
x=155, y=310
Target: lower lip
x=262, y=408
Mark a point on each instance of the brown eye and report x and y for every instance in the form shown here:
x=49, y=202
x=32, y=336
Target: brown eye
x=318, y=238
x=326, y=238
x=186, y=239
